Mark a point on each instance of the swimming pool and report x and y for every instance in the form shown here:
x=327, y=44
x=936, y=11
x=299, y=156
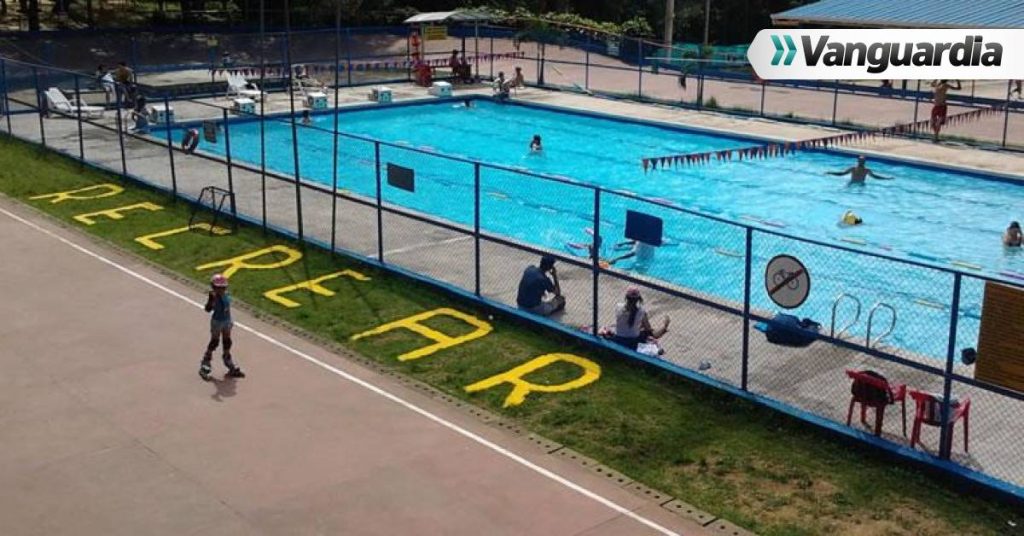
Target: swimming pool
x=925, y=214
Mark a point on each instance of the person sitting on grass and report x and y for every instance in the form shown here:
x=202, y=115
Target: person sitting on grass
x=633, y=325
x=1013, y=237
x=535, y=284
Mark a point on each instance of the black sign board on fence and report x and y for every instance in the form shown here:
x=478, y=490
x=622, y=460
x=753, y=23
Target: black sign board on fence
x=401, y=177
x=643, y=227
x=210, y=131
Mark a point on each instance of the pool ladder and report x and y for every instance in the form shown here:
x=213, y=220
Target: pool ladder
x=856, y=318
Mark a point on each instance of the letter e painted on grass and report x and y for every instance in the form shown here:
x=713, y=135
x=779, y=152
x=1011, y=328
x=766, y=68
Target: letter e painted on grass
x=441, y=341
x=104, y=190
x=116, y=213
x=521, y=387
x=313, y=285
x=241, y=262
x=150, y=240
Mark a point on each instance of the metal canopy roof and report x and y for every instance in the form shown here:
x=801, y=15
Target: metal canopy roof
x=448, y=16
x=906, y=14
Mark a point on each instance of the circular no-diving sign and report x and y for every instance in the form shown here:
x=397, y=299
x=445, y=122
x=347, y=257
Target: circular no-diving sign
x=787, y=281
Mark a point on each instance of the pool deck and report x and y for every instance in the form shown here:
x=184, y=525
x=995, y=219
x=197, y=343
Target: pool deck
x=810, y=378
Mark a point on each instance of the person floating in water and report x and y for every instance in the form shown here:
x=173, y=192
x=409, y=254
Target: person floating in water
x=851, y=218
x=535, y=144
x=939, y=108
x=1013, y=237
x=306, y=118
x=860, y=172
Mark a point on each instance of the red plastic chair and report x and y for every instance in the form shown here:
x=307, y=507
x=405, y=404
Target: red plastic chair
x=929, y=411
x=863, y=384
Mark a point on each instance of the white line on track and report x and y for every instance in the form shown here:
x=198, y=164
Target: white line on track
x=369, y=386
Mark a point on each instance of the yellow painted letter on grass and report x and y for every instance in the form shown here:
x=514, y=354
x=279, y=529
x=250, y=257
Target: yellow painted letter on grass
x=116, y=213
x=105, y=190
x=441, y=341
x=150, y=240
x=312, y=285
x=521, y=387
x=241, y=262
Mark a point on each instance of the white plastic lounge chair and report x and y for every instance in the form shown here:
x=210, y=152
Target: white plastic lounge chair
x=237, y=87
x=56, y=101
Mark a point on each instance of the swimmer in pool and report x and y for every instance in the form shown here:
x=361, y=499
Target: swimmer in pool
x=851, y=218
x=535, y=145
x=860, y=172
x=1013, y=237
x=306, y=118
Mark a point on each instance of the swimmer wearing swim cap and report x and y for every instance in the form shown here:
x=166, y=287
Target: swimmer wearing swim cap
x=851, y=218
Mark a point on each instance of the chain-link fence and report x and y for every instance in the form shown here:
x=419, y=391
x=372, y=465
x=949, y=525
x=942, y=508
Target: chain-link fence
x=472, y=227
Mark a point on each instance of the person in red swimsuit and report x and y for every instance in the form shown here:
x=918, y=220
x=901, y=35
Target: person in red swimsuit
x=941, y=89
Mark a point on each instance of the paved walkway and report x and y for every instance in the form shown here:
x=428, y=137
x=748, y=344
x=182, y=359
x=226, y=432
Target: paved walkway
x=107, y=429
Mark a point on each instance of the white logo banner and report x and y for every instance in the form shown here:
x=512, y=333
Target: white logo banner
x=781, y=54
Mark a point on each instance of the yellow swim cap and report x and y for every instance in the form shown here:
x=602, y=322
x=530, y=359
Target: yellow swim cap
x=850, y=218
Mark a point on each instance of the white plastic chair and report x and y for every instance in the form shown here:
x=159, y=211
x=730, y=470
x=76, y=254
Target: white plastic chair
x=237, y=87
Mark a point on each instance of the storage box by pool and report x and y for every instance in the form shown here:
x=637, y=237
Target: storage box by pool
x=244, y=106
x=440, y=89
x=160, y=114
x=381, y=94
x=316, y=101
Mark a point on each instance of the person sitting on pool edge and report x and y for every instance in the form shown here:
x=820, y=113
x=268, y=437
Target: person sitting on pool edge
x=306, y=118
x=633, y=325
x=860, y=172
x=1013, y=237
x=535, y=284
x=535, y=144
x=642, y=251
x=501, y=86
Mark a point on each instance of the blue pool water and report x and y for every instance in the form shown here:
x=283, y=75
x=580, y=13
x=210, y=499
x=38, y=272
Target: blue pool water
x=925, y=214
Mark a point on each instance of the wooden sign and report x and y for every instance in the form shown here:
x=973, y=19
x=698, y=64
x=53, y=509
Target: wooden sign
x=435, y=33
x=1001, y=341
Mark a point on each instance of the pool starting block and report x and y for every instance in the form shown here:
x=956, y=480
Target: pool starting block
x=243, y=106
x=381, y=94
x=160, y=114
x=440, y=89
x=316, y=100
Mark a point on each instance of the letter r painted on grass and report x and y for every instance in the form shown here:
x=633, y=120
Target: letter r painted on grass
x=102, y=190
x=313, y=285
x=521, y=388
x=241, y=262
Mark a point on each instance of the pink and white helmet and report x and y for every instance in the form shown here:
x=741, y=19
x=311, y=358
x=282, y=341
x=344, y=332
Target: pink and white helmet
x=219, y=281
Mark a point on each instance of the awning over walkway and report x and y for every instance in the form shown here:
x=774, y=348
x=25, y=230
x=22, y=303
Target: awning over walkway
x=906, y=14
x=443, y=17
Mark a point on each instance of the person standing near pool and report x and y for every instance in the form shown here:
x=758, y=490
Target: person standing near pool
x=1012, y=237
x=860, y=172
x=218, y=302
x=641, y=251
x=939, y=108
x=535, y=284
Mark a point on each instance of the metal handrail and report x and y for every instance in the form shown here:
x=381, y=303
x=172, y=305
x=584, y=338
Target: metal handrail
x=856, y=317
x=871, y=317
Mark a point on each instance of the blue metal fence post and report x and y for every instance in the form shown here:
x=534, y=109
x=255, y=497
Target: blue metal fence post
x=78, y=99
x=746, y=309
x=586, y=64
x=1006, y=111
x=492, y=57
x=7, y=100
x=334, y=145
x=595, y=257
x=120, y=130
x=39, y=105
x=170, y=148
x=835, y=101
x=348, y=56
x=947, y=378
x=639, y=69
x=764, y=86
x=380, y=212
x=476, y=225
x=227, y=154
x=917, y=100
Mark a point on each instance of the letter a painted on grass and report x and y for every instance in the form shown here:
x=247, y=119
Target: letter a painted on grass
x=116, y=213
x=241, y=262
x=103, y=190
x=521, y=387
x=441, y=341
x=150, y=240
x=312, y=285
